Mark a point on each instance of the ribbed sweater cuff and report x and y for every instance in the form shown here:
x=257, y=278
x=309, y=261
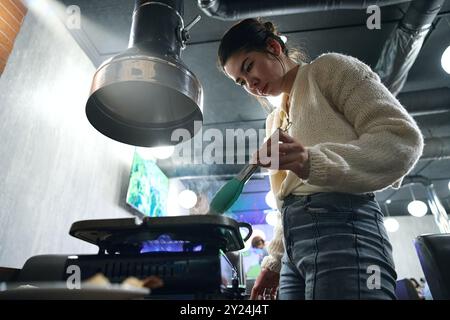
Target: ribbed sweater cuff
x=271, y=264
x=318, y=173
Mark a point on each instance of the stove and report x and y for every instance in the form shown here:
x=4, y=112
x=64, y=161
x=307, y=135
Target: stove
x=189, y=253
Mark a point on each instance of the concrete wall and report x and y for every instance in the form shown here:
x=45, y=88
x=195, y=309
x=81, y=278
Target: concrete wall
x=55, y=168
x=405, y=256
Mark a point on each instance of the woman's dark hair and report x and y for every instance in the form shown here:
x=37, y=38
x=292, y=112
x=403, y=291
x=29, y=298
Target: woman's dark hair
x=414, y=281
x=256, y=241
x=252, y=35
x=248, y=35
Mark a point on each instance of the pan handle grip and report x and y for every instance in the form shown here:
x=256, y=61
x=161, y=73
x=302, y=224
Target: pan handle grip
x=248, y=227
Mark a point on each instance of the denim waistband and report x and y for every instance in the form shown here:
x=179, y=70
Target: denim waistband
x=307, y=198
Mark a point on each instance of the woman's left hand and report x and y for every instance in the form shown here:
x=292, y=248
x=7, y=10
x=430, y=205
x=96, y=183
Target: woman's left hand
x=292, y=155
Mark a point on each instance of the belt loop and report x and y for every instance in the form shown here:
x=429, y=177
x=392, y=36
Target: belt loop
x=308, y=199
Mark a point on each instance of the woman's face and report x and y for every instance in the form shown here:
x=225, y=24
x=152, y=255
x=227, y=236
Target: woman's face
x=261, y=74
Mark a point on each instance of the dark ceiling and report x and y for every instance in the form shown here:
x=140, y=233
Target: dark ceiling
x=105, y=30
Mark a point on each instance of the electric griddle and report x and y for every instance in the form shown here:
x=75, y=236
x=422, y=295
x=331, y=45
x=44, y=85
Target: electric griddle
x=189, y=253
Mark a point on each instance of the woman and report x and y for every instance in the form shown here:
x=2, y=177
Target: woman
x=344, y=137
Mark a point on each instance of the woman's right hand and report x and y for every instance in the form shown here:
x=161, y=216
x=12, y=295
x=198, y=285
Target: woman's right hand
x=266, y=285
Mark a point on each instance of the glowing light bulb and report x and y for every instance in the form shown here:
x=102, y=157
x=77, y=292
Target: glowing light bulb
x=391, y=224
x=417, y=208
x=445, y=60
x=270, y=200
x=187, y=199
x=271, y=217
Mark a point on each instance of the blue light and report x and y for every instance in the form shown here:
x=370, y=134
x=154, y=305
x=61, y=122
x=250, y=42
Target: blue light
x=165, y=244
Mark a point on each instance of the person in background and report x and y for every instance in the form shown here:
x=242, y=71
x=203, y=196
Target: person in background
x=342, y=137
x=258, y=244
x=418, y=287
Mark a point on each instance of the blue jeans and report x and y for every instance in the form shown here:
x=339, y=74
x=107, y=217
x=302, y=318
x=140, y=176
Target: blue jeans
x=336, y=247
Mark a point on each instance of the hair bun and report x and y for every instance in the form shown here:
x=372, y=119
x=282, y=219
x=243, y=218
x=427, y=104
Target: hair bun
x=270, y=27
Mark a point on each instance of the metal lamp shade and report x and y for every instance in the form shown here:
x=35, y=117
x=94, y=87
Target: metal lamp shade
x=142, y=95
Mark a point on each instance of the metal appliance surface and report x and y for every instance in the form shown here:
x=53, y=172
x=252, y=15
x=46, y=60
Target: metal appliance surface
x=189, y=253
x=144, y=94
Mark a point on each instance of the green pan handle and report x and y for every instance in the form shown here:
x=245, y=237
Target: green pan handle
x=248, y=227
